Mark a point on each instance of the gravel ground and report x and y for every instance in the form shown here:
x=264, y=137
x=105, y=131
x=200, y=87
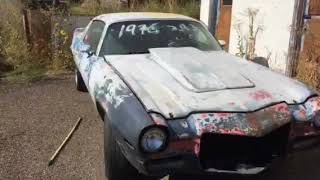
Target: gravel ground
x=34, y=120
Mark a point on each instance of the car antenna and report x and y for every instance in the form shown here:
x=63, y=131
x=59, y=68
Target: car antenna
x=171, y=115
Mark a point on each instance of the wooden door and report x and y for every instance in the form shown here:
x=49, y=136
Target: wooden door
x=314, y=8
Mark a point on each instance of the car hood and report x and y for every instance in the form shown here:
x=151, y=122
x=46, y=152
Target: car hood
x=178, y=81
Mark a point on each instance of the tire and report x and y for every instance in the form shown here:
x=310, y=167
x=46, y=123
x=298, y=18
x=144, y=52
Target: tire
x=117, y=167
x=80, y=86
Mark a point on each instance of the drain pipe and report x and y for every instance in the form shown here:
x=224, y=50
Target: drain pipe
x=210, y=13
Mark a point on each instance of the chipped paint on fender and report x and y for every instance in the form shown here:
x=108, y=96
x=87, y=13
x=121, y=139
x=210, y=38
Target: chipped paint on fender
x=307, y=111
x=185, y=146
x=254, y=124
x=159, y=120
x=260, y=95
x=113, y=91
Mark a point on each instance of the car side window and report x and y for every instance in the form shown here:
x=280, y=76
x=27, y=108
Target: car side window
x=93, y=35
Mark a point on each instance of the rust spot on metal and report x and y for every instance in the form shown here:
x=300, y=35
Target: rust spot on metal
x=260, y=95
x=190, y=146
x=254, y=124
x=223, y=115
x=234, y=131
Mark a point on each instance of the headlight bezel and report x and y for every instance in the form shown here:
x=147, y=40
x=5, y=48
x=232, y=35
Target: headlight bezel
x=149, y=129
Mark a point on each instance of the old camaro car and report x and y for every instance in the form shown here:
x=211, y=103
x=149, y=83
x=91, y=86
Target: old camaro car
x=173, y=102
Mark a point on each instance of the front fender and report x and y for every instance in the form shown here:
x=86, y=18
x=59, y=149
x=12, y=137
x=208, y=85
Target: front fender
x=123, y=109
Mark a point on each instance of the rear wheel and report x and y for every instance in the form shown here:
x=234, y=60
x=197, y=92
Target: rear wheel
x=116, y=164
x=79, y=82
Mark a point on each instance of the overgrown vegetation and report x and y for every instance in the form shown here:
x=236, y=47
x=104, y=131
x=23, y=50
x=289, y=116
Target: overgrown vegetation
x=13, y=46
x=29, y=62
x=94, y=7
x=309, y=64
x=247, y=41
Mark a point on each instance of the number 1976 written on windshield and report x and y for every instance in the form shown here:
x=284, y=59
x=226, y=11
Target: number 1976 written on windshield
x=155, y=28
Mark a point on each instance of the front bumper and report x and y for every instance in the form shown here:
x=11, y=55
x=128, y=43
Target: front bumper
x=186, y=156
x=236, y=143
x=217, y=153
x=304, y=136
x=190, y=164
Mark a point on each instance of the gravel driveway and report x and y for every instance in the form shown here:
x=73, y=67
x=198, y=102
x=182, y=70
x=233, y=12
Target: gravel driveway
x=34, y=119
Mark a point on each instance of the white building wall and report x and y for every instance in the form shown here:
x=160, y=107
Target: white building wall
x=275, y=16
x=205, y=11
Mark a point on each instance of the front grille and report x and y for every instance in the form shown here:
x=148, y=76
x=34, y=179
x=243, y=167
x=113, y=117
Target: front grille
x=229, y=152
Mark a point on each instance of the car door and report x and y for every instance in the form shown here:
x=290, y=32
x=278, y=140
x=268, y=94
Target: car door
x=91, y=40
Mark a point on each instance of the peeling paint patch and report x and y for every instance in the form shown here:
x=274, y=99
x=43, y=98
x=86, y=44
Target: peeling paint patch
x=189, y=146
x=186, y=146
x=313, y=106
x=260, y=95
x=246, y=124
x=158, y=120
x=113, y=91
x=307, y=111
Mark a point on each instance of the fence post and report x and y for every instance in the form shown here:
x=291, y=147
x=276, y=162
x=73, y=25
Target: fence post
x=26, y=26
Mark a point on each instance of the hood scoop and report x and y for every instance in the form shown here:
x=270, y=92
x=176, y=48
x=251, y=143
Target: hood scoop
x=197, y=71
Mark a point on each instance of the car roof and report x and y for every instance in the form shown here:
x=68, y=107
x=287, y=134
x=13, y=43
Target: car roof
x=137, y=16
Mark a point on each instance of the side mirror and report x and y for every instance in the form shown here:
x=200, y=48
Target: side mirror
x=86, y=48
x=222, y=43
x=262, y=61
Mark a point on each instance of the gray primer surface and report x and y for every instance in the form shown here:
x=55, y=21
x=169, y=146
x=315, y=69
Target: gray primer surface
x=184, y=80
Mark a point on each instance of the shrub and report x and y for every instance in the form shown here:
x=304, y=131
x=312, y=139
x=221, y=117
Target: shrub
x=32, y=4
x=309, y=72
x=13, y=44
x=308, y=69
x=14, y=47
x=41, y=54
x=62, y=57
x=95, y=7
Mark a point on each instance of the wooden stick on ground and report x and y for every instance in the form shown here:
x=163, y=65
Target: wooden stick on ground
x=51, y=161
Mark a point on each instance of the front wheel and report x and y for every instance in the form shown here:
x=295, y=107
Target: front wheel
x=117, y=167
x=80, y=85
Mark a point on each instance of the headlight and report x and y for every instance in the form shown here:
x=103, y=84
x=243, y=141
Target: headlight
x=153, y=140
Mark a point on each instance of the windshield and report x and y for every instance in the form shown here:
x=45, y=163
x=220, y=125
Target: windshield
x=136, y=37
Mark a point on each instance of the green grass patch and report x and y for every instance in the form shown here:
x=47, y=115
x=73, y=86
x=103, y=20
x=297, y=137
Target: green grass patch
x=24, y=76
x=76, y=9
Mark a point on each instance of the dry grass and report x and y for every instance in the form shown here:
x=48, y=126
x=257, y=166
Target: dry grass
x=33, y=60
x=29, y=61
x=13, y=45
x=309, y=64
x=309, y=72
x=92, y=7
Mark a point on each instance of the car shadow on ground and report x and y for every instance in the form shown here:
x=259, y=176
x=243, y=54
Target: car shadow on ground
x=302, y=165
